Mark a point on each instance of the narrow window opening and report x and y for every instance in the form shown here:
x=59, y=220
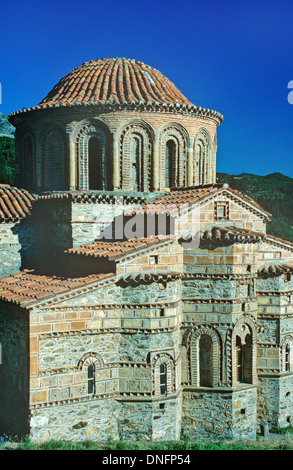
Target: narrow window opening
x=287, y=358
x=94, y=164
x=170, y=164
x=91, y=379
x=206, y=361
x=239, y=354
x=163, y=379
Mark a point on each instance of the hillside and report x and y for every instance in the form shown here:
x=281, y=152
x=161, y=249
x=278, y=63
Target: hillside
x=274, y=192
x=6, y=129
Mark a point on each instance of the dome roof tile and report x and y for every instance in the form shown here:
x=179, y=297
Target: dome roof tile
x=114, y=80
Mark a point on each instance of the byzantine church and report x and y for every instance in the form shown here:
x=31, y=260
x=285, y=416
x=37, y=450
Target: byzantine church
x=139, y=299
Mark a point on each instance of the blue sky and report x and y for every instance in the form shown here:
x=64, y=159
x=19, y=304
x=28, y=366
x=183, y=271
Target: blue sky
x=234, y=57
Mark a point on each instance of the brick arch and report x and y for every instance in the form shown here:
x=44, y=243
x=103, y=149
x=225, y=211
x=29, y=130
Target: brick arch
x=90, y=358
x=135, y=156
x=180, y=136
x=194, y=355
x=82, y=135
x=202, y=164
x=53, y=159
x=246, y=330
x=163, y=358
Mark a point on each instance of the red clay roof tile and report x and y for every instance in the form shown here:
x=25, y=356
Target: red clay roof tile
x=26, y=287
x=113, y=250
x=14, y=203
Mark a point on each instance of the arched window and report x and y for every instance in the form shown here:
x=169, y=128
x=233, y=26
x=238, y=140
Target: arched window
x=164, y=374
x=135, y=155
x=202, y=162
x=203, y=166
x=170, y=164
x=54, y=168
x=136, y=163
x=244, y=359
x=91, y=379
x=206, y=361
x=174, y=141
x=205, y=358
x=27, y=163
x=94, y=163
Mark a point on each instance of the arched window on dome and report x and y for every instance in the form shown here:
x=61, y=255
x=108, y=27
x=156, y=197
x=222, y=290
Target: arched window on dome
x=53, y=162
x=135, y=158
x=91, y=149
x=170, y=164
x=201, y=170
x=94, y=163
x=28, y=163
x=173, y=157
x=202, y=162
x=136, y=154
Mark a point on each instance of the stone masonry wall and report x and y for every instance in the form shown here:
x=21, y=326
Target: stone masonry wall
x=14, y=374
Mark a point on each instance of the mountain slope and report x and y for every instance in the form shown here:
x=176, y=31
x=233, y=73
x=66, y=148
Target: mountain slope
x=6, y=129
x=274, y=192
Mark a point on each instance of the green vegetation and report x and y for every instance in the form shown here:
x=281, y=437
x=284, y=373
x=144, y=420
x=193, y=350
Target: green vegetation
x=7, y=160
x=183, y=444
x=274, y=192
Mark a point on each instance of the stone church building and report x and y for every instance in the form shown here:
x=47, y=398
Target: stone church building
x=138, y=298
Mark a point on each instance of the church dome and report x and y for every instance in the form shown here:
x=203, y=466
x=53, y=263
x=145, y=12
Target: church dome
x=114, y=81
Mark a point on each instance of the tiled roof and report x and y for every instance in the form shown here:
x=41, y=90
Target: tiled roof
x=176, y=199
x=117, y=81
x=26, y=287
x=14, y=203
x=113, y=250
x=279, y=241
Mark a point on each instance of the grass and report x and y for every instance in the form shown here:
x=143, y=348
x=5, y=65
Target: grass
x=285, y=443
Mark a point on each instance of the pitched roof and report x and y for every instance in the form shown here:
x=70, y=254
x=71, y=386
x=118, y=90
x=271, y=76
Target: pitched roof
x=113, y=250
x=15, y=203
x=177, y=198
x=279, y=242
x=26, y=287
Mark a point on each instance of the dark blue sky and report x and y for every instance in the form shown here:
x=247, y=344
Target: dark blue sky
x=235, y=57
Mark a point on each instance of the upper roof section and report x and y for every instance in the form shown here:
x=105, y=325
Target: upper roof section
x=117, y=81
